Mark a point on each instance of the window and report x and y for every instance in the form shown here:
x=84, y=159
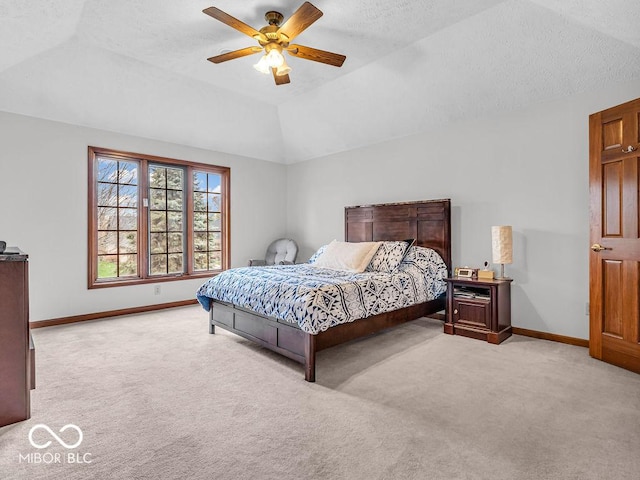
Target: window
x=207, y=219
x=153, y=218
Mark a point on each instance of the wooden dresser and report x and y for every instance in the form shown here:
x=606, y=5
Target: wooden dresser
x=17, y=356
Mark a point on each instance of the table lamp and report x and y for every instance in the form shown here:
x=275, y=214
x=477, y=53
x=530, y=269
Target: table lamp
x=502, y=246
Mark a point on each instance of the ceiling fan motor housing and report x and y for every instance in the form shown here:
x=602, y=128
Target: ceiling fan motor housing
x=274, y=18
x=272, y=35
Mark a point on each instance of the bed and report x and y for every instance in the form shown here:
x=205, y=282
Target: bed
x=286, y=331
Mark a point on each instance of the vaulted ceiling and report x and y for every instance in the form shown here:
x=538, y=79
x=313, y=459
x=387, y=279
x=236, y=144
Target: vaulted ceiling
x=139, y=67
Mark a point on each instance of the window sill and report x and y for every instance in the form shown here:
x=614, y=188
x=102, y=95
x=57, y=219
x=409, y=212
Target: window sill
x=141, y=281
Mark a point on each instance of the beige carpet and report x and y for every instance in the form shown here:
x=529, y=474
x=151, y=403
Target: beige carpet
x=157, y=397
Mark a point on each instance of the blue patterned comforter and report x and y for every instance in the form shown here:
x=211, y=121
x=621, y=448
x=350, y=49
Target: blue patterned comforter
x=317, y=298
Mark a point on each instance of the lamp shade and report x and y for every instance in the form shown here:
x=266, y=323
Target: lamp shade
x=262, y=66
x=502, y=244
x=283, y=69
x=274, y=58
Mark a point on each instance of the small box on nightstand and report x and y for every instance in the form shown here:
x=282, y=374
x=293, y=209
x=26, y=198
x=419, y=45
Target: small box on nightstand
x=485, y=274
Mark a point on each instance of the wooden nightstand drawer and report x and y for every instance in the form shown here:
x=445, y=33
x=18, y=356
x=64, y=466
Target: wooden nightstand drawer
x=475, y=313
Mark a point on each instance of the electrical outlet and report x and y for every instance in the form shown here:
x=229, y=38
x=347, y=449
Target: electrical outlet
x=156, y=289
x=586, y=309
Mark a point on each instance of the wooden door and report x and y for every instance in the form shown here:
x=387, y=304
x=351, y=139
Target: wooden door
x=614, y=176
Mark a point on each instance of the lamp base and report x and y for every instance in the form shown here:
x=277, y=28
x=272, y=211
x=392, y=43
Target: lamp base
x=502, y=276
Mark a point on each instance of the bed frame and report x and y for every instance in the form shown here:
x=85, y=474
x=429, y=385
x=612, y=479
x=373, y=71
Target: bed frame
x=429, y=222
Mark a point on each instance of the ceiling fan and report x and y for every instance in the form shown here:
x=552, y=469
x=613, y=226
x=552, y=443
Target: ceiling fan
x=274, y=39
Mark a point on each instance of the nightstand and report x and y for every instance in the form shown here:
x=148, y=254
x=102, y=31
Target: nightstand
x=479, y=309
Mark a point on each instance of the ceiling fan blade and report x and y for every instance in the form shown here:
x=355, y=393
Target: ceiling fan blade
x=316, y=55
x=235, y=54
x=300, y=20
x=280, y=79
x=234, y=23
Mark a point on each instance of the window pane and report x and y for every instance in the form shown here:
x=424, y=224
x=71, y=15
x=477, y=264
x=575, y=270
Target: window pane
x=157, y=177
x=128, y=219
x=199, y=182
x=158, y=199
x=158, y=264
x=214, y=221
x=175, y=243
x=107, y=170
x=107, y=218
x=107, y=266
x=214, y=182
x=200, y=241
x=214, y=202
x=158, y=242
x=175, y=263
x=174, y=221
x=128, y=265
x=128, y=196
x=200, y=202
x=107, y=194
x=128, y=173
x=107, y=243
x=215, y=261
x=215, y=241
x=174, y=200
x=174, y=178
x=199, y=261
x=158, y=221
x=200, y=222
x=128, y=242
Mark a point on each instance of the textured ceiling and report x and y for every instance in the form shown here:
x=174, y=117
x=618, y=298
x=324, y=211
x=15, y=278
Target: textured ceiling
x=140, y=67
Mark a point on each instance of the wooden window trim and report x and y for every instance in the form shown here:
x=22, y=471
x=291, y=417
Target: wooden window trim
x=143, y=247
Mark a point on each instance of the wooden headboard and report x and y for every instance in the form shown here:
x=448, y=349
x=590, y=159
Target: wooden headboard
x=429, y=222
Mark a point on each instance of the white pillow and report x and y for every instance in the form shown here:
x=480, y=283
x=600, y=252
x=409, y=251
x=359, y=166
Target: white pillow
x=347, y=256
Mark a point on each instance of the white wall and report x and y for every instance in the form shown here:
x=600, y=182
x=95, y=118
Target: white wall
x=43, y=198
x=527, y=168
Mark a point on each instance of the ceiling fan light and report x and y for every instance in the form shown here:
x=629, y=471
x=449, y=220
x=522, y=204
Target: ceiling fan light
x=274, y=58
x=262, y=66
x=283, y=69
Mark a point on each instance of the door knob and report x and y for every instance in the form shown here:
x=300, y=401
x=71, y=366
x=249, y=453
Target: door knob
x=629, y=149
x=596, y=247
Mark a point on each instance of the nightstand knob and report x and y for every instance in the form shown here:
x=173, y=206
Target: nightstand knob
x=455, y=311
